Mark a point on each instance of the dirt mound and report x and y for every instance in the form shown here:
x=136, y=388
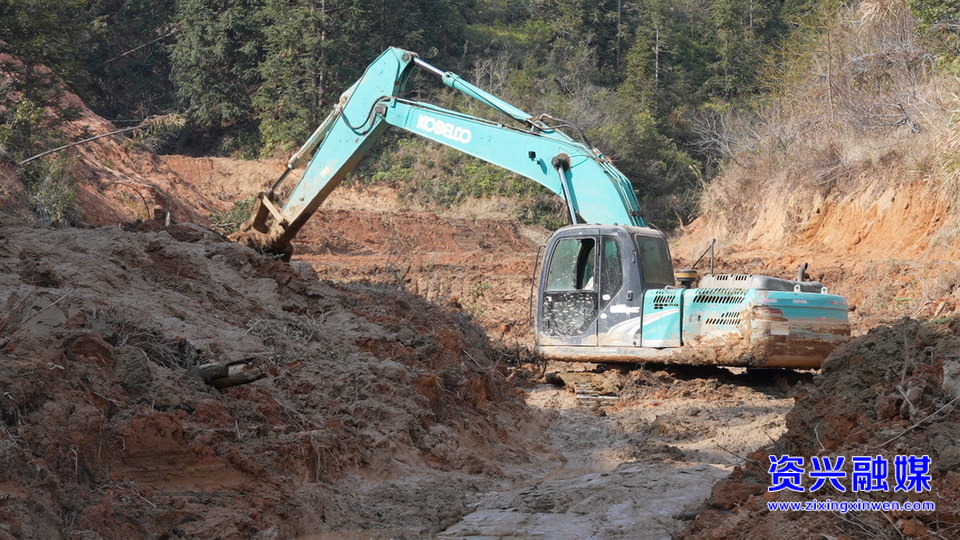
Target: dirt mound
x=376, y=399
x=891, y=392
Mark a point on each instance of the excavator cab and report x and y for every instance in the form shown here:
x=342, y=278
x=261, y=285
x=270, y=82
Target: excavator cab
x=607, y=293
x=594, y=278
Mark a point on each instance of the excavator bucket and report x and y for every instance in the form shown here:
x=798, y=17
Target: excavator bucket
x=265, y=230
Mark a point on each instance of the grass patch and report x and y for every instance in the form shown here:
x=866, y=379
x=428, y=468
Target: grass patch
x=230, y=220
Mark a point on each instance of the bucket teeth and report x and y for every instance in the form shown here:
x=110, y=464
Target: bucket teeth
x=267, y=238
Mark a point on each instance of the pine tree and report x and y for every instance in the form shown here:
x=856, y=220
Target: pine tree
x=315, y=49
x=215, y=68
x=300, y=55
x=128, y=57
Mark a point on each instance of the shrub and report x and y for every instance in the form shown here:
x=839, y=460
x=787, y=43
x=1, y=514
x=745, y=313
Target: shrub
x=52, y=189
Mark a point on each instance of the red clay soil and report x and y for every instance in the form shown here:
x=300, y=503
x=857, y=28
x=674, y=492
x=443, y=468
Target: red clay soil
x=890, y=246
x=118, y=179
x=483, y=266
x=377, y=406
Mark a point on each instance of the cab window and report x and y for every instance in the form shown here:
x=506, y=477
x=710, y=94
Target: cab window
x=655, y=263
x=573, y=265
x=611, y=270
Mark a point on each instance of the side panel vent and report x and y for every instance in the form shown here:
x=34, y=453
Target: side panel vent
x=720, y=296
x=665, y=298
x=728, y=318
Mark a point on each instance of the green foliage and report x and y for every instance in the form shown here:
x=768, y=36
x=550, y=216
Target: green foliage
x=20, y=123
x=313, y=50
x=473, y=302
x=939, y=20
x=933, y=12
x=296, y=68
x=95, y=47
x=45, y=32
x=543, y=209
x=126, y=54
x=52, y=189
x=255, y=77
x=230, y=220
x=215, y=60
x=31, y=110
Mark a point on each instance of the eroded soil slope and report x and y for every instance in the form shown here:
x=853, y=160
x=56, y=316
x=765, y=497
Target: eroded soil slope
x=376, y=403
x=890, y=246
x=893, y=391
x=472, y=258
x=117, y=178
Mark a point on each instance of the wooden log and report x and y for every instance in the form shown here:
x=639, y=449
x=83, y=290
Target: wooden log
x=226, y=374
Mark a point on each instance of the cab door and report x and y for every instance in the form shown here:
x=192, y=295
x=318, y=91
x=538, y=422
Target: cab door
x=620, y=293
x=567, y=308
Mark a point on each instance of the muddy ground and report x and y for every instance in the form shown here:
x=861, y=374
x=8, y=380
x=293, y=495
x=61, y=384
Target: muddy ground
x=639, y=465
x=380, y=412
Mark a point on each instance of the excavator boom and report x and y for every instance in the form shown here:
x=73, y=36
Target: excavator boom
x=594, y=190
x=607, y=290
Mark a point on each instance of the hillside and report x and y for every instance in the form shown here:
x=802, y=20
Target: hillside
x=854, y=174
x=111, y=180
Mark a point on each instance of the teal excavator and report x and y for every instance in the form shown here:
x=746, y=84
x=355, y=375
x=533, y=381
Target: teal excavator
x=607, y=288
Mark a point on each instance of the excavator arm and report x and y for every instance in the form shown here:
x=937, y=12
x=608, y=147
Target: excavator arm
x=629, y=312
x=594, y=190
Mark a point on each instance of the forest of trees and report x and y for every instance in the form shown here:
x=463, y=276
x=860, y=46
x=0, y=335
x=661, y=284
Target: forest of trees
x=645, y=79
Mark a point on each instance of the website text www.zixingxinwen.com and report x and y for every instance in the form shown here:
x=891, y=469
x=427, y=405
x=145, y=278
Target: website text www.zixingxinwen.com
x=843, y=507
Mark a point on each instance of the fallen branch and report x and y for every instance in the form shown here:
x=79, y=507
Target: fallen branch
x=64, y=147
x=929, y=416
x=152, y=121
x=24, y=322
x=147, y=44
x=224, y=375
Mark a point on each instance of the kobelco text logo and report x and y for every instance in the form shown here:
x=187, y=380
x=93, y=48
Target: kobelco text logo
x=444, y=129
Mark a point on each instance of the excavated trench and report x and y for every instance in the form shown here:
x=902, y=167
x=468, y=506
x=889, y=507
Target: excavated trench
x=382, y=414
x=399, y=399
x=641, y=464
x=641, y=458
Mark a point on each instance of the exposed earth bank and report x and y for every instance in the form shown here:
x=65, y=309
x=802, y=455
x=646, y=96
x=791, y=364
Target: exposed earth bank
x=379, y=409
